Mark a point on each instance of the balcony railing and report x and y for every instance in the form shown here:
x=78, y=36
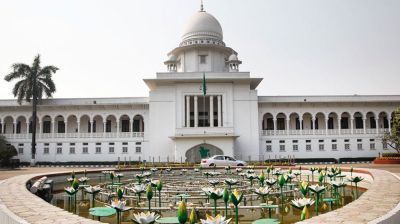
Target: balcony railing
x=77, y=135
x=323, y=132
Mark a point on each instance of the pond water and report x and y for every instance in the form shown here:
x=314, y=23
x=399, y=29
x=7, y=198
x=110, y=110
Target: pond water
x=191, y=183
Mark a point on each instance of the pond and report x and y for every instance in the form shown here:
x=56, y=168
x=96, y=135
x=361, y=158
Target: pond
x=190, y=185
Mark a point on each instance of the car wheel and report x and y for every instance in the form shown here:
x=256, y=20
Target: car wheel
x=239, y=164
x=212, y=164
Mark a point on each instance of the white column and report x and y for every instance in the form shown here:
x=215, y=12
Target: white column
x=313, y=125
x=364, y=122
x=104, y=126
x=390, y=125
x=219, y=111
x=117, y=126
x=187, y=111
x=211, y=111
x=130, y=127
x=326, y=125
x=339, y=125
x=65, y=127
x=376, y=125
x=40, y=127
x=79, y=127
x=301, y=126
x=14, y=128
x=351, y=125
x=275, y=127
x=27, y=127
x=53, y=127
x=196, y=112
x=287, y=125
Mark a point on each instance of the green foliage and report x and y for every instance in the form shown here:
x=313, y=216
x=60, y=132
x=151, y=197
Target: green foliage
x=393, y=139
x=7, y=151
x=33, y=80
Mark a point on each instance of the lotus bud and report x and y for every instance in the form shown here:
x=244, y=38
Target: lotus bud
x=149, y=192
x=182, y=212
x=281, y=181
x=321, y=177
x=120, y=193
x=159, y=185
x=305, y=214
x=226, y=195
x=75, y=184
x=193, y=217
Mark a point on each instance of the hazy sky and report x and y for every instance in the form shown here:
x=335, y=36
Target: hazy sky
x=106, y=48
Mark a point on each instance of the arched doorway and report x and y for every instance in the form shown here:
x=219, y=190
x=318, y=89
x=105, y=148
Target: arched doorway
x=194, y=154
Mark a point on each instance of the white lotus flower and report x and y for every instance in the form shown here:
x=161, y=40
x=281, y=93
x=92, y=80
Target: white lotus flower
x=239, y=170
x=251, y=176
x=250, y=171
x=214, y=173
x=316, y=188
x=83, y=179
x=69, y=190
x=338, y=183
x=183, y=170
x=301, y=202
x=146, y=174
x=118, y=204
x=216, y=191
x=215, y=220
x=137, y=189
x=231, y=181
x=270, y=182
x=213, y=182
x=153, y=169
x=70, y=179
x=263, y=190
x=196, y=170
x=145, y=217
x=119, y=175
x=92, y=189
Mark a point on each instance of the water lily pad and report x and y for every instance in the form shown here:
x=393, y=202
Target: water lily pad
x=266, y=221
x=168, y=220
x=102, y=211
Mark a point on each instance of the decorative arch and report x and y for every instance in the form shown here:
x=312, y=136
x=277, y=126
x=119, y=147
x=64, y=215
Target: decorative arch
x=268, y=122
x=281, y=121
x=138, y=123
x=194, y=155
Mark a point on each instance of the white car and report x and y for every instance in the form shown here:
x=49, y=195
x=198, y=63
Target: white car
x=221, y=160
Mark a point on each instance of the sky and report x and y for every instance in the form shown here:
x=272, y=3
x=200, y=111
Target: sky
x=105, y=48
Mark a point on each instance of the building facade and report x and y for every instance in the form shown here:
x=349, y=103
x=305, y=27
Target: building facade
x=203, y=99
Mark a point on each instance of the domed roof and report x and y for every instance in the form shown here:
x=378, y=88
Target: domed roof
x=202, y=24
x=233, y=57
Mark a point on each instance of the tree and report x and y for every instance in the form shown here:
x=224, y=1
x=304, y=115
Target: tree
x=392, y=139
x=7, y=151
x=33, y=82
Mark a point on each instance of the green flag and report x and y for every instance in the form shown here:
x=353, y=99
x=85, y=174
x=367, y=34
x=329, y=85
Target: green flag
x=204, y=87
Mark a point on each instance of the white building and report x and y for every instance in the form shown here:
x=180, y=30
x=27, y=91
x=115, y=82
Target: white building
x=176, y=119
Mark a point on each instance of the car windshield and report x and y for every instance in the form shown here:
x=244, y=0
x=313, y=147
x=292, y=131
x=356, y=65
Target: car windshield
x=219, y=158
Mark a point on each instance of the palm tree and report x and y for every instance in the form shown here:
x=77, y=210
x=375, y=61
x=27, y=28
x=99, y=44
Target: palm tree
x=32, y=82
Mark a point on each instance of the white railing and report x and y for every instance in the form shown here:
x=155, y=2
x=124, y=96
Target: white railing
x=323, y=132
x=77, y=135
x=358, y=131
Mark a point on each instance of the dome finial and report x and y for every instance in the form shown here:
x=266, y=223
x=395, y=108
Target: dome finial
x=201, y=6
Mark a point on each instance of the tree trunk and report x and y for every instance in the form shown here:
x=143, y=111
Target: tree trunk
x=34, y=103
